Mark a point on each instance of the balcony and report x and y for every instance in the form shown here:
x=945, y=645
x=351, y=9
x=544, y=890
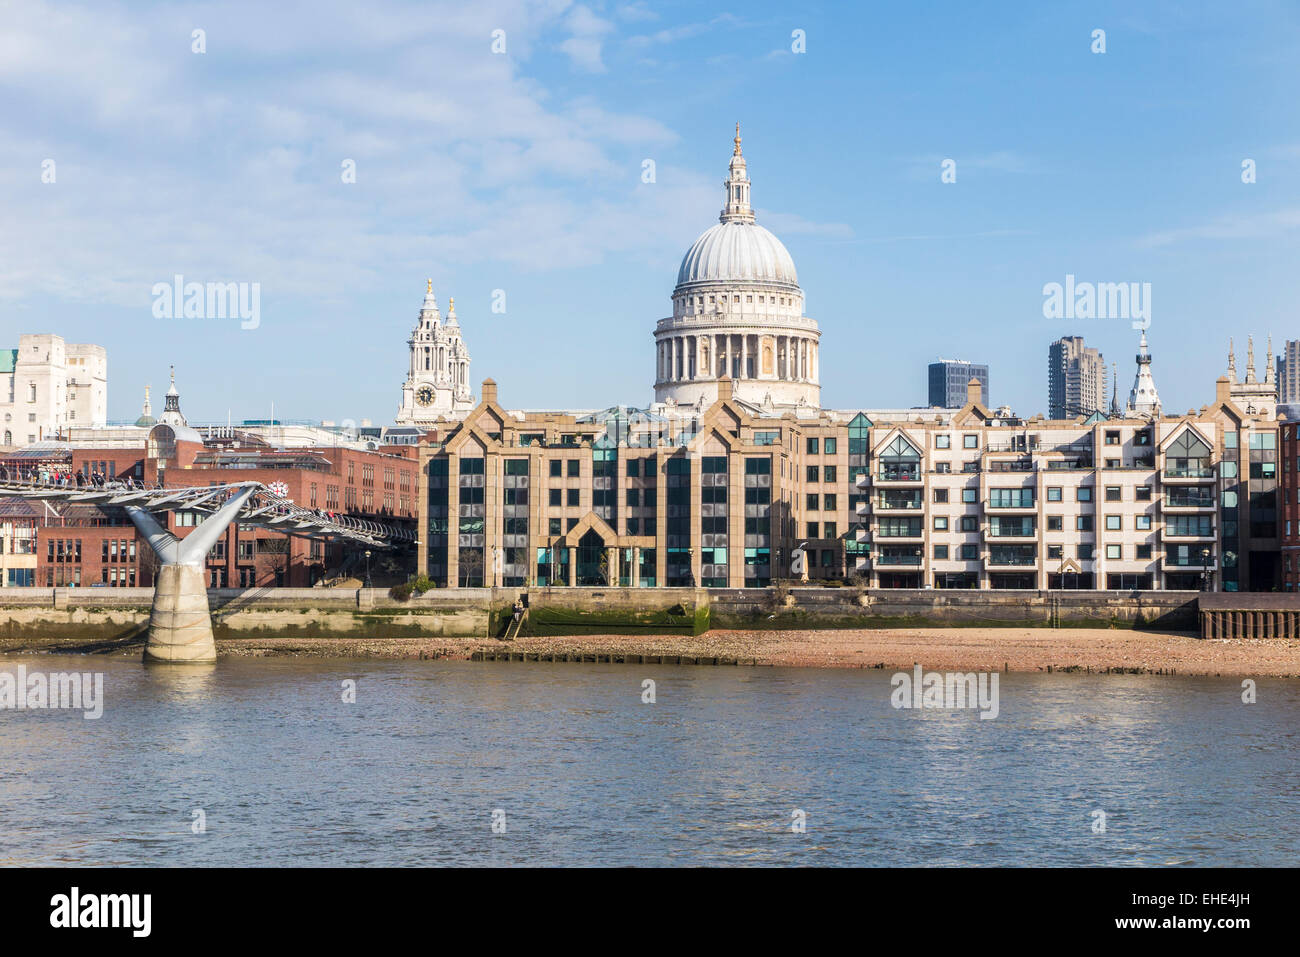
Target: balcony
x=1011, y=561
x=904, y=502
x=861, y=563
x=886, y=559
x=1199, y=504
x=1014, y=534
x=1189, y=562
x=899, y=474
x=1184, y=535
x=1008, y=505
x=864, y=480
x=861, y=534
x=1188, y=473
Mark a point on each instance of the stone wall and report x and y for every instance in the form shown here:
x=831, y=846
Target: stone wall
x=122, y=613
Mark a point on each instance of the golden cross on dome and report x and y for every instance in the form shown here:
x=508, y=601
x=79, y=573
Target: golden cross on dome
x=737, y=140
x=428, y=289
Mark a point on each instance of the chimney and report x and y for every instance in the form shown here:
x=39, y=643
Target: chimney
x=489, y=393
x=1223, y=389
x=973, y=391
x=725, y=388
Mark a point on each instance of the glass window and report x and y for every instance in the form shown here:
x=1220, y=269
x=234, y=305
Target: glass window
x=1084, y=493
x=970, y=441
x=556, y=466
x=1112, y=551
x=1113, y=493
x=811, y=501
x=1114, y=523
x=1054, y=493
x=812, y=446
x=968, y=495
x=941, y=495
x=941, y=523
x=1142, y=522
x=942, y=442
x=941, y=551
x=828, y=446
x=1054, y=523
x=813, y=474
x=574, y=467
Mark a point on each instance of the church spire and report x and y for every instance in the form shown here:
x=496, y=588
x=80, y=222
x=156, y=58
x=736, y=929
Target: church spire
x=736, y=209
x=1270, y=367
x=1232, y=361
x=1143, y=398
x=1250, y=359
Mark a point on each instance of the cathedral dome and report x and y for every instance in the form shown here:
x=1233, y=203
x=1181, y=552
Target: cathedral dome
x=737, y=251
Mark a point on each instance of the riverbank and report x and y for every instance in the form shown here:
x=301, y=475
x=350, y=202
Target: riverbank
x=966, y=649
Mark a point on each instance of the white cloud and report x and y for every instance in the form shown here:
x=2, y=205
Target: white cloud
x=1236, y=226
x=584, y=46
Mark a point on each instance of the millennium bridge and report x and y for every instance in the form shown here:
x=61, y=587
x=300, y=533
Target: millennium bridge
x=180, y=621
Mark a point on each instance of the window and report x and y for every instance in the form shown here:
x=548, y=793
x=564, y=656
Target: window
x=1083, y=551
x=556, y=468
x=813, y=474
x=1112, y=551
x=941, y=495
x=942, y=442
x=828, y=473
x=1054, y=493
x=812, y=446
x=1114, y=523
x=941, y=551
x=556, y=497
x=1114, y=493
x=574, y=468
x=1142, y=522
x=941, y=523
x=1054, y=523
x=970, y=553
x=1083, y=523
x=969, y=495
x=828, y=503
x=828, y=447
x=633, y=497
x=1144, y=551
x=573, y=497
x=811, y=501
x=1083, y=493
x=970, y=523
x=1055, y=551
x=633, y=468
x=812, y=530
x=1143, y=493
x=1112, y=437
x=943, y=468
x=970, y=441
x=828, y=529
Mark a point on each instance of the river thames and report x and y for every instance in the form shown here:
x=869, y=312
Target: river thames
x=263, y=762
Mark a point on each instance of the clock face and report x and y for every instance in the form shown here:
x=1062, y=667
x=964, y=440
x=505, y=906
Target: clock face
x=424, y=395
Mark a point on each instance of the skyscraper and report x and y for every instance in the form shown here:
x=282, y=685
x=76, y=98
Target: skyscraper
x=948, y=378
x=1076, y=379
x=1288, y=373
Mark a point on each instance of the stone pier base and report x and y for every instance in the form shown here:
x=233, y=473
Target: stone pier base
x=180, y=622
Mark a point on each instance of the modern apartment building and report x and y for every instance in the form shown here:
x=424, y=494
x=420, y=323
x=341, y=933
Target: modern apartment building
x=966, y=499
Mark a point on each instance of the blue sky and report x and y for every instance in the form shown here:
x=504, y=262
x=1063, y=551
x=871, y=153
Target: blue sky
x=522, y=171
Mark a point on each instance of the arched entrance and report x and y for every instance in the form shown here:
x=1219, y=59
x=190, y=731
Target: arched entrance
x=593, y=561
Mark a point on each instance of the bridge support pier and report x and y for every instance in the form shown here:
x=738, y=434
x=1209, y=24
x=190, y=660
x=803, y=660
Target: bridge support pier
x=180, y=621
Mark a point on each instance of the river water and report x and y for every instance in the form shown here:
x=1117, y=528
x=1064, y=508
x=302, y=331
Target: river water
x=278, y=769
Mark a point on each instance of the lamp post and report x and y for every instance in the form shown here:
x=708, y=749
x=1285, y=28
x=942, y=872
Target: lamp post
x=1205, y=569
x=368, y=583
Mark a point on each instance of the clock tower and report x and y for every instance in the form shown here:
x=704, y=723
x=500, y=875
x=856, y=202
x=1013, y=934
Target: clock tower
x=437, y=379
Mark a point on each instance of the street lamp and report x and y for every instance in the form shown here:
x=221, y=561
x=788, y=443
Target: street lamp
x=1205, y=569
x=368, y=583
